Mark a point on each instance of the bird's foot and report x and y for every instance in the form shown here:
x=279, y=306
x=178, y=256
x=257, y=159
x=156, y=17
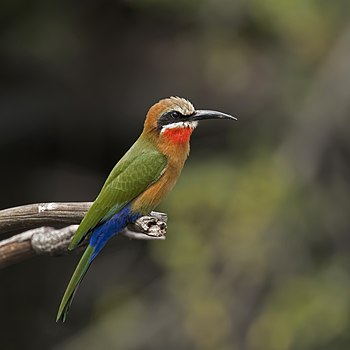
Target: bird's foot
x=149, y=227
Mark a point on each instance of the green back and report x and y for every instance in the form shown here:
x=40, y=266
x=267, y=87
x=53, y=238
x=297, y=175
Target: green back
x=142, y=165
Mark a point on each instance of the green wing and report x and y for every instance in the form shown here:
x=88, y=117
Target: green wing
x=129, y=178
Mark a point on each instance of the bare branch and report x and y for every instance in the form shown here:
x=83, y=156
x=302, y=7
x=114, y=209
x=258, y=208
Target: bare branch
x=51, y=241
x=42, y=214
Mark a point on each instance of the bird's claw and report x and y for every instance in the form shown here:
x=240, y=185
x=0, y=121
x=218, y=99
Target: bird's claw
x=148, y=228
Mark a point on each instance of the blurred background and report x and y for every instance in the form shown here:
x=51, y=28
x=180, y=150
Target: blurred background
x=257, y=255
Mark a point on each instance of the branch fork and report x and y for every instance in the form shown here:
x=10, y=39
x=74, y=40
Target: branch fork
x=53, y=239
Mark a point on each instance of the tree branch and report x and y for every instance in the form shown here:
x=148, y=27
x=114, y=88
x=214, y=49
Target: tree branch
x=52, y=241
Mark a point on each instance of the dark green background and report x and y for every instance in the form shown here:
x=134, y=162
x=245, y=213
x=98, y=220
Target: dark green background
x=258, y=249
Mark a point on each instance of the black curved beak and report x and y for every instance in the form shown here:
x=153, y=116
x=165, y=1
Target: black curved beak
x=207, y=114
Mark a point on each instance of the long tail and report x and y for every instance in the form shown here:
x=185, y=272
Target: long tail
x=74, y=282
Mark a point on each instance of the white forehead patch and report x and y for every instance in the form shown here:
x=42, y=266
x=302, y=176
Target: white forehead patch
x=182, y=105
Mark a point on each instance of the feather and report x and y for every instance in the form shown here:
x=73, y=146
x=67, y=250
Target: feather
x=73, y=284
x=136, y=171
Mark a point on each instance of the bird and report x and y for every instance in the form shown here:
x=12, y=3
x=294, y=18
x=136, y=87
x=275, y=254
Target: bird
x=138, y=182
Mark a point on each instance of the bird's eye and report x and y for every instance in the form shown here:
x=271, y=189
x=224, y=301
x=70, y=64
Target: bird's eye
x=170, y=117
x=175, y=114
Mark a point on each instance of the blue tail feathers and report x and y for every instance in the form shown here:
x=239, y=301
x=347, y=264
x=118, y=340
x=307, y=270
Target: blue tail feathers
x=99, y=237
x=102, y=233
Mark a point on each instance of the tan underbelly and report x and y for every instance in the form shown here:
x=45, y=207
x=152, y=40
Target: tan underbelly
x=154, y=194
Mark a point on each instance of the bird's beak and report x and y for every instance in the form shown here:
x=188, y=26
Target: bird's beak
x=205, y=114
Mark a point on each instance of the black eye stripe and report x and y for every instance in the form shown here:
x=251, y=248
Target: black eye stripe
x=172, y=115
x=169, y=118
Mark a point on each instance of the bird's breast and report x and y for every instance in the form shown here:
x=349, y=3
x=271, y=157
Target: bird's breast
x=176, y=156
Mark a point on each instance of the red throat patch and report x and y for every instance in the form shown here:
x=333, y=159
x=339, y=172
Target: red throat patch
x=178, y=135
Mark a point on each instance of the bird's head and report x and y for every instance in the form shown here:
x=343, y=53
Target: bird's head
x=175, y=118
